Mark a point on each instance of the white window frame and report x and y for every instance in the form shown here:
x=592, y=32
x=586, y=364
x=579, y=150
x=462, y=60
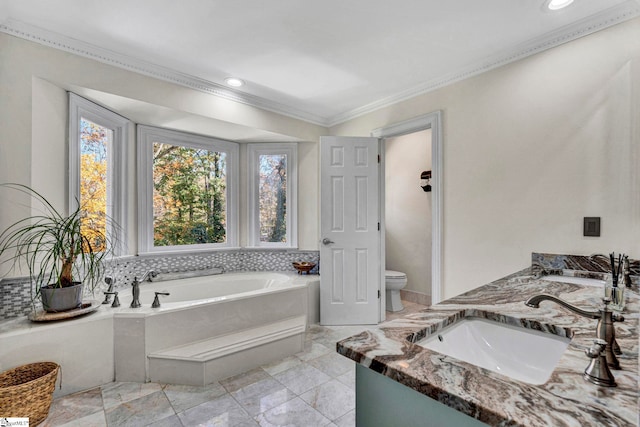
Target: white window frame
x=147, y=135
x=116, y=164
x=255, y=150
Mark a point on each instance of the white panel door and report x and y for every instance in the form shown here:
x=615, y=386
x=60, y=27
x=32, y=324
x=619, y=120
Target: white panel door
x=350, y=270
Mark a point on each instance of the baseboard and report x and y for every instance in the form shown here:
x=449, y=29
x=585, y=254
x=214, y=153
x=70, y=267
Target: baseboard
x=416, y=297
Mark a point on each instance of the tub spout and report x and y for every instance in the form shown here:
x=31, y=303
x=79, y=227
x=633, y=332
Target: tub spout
x=148, y=275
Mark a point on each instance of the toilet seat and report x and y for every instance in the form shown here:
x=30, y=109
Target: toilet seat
x=390, y=274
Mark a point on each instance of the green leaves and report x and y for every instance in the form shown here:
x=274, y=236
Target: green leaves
x=189, y=201
x=56, y=248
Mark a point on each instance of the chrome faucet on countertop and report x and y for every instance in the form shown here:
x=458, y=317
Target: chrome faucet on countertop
x=604, y=330
x=135, y=303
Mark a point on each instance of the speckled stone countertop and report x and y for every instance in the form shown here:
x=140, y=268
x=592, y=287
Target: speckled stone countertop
x=565, y=399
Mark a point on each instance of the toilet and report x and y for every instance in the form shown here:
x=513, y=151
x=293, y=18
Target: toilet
x=394, y=281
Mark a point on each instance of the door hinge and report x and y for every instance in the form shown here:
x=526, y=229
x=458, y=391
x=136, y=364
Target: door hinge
x=378, y=293
x=378, y=158
x=378, y=226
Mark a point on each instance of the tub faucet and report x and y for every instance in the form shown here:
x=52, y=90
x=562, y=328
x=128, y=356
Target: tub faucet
x=135, y=303
x=604, y=329
x=148, y=275
x=107, y=295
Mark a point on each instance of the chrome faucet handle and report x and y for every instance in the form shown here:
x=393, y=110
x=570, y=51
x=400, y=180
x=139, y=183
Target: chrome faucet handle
x=116, y=301
x=156, y=300
x=617, y=317
x=135, y=285
x=107, y=295
x=598, y=371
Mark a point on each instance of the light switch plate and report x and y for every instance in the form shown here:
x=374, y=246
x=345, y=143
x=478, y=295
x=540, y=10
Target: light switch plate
x=591, y=226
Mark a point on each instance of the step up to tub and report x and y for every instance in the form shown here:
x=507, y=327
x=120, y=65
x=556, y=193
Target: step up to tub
x=203, y=362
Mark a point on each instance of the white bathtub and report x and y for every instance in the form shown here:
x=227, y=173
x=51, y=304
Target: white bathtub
x=204, y=289
x=115, y=343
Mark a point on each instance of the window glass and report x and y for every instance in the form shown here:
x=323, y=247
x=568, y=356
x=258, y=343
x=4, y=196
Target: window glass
x=272, y=197
x=187, y=191
x=95, y=141
x=272, y=204
x=97, y=177
x=189, y=195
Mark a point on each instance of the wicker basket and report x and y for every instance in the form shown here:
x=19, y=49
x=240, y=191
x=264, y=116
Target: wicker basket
x=26, y=391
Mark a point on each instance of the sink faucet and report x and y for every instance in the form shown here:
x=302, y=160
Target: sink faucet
x=604, y=330
x=135, y=303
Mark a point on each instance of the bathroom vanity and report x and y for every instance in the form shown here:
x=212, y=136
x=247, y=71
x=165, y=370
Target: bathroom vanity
x=401, y=380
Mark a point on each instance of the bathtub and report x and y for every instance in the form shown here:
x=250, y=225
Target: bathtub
x=237, y=320
x=212, y=288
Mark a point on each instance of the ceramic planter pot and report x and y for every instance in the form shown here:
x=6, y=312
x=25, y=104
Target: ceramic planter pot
x=55, y=299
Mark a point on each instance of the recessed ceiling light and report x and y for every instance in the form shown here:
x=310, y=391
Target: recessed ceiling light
x=235, y=82
x=558, y=4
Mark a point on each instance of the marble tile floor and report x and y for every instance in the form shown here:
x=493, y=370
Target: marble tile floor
x=313, y=388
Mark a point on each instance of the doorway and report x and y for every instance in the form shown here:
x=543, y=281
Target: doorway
x=407, y=217
x=432, y=122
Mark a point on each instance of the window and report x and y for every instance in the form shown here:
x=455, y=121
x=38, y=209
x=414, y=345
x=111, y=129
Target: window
x=97, y=164
x=187, y=191
x=272, y=171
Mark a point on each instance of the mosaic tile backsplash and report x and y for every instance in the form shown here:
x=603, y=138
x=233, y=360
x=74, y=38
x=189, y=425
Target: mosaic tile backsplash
x=16, y=295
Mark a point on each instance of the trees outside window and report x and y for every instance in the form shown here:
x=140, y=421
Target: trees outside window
x=97, y=140
x=187, y=191
x=272, y=195
x=187, y=186
x=189, y=195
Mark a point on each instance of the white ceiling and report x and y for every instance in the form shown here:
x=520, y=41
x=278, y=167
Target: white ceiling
x=322, y=61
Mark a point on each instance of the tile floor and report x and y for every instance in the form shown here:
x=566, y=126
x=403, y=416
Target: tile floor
x=313, y=388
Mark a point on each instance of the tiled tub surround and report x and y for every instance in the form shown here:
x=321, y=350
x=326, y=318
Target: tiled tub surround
x=565, y=399
x=16, y=295
x=114, y=342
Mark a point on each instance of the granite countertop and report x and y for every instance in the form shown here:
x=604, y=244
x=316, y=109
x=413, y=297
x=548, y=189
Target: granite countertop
x=565, y=399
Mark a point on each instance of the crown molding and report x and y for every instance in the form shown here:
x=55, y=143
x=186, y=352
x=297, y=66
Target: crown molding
x=87, y=50
x=594, y=23
x=609, y=17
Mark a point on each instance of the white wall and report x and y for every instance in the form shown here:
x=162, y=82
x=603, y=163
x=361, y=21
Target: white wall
x=408, y=209
x=529, y=150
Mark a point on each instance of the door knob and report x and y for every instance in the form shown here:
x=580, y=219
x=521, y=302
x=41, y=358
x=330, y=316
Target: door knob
x=326, y=241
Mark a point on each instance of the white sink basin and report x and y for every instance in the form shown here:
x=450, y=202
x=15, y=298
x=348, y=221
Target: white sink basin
x=519, y=353
x=576, y=280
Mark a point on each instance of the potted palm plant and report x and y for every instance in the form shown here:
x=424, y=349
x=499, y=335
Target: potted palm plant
x=61, y=252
